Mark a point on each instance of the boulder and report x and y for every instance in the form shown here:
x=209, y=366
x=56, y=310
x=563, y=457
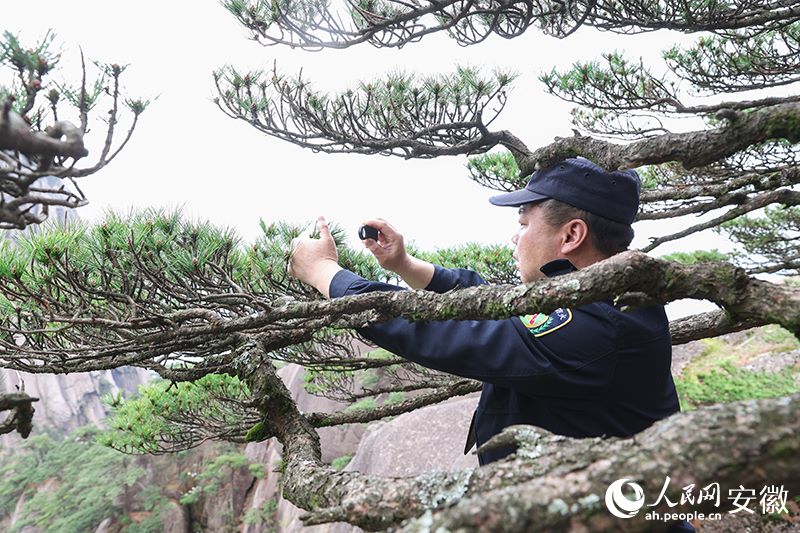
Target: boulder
x=431, y=438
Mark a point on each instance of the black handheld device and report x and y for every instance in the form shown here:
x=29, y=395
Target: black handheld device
x=367, y=232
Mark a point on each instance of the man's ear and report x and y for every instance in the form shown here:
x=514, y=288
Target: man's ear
x=574, y=234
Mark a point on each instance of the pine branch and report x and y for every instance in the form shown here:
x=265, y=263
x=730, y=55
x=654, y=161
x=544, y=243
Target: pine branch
x=35, y=160
x=629, y=272
x=394, y=23
x=401, y=115
x=368, y=415
x=783, y=196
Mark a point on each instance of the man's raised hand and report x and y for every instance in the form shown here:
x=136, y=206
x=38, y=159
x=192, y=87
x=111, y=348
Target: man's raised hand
x=390, y=248
x=315, y=261
x=390, y=251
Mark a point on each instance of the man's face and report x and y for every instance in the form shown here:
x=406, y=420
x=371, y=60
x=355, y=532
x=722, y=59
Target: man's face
x=536, y=242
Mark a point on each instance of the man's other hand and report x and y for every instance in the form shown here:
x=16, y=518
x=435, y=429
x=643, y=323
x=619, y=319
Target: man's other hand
x=390, y=248
x=390, y=251
x=315, y=261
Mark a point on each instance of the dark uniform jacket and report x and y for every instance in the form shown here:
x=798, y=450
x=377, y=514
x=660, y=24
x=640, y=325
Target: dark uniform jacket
x=584, y=372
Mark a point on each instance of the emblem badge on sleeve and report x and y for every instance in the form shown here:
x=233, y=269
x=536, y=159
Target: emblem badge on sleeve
x=541, y=324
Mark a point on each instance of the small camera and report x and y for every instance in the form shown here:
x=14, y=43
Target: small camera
x=367, y=232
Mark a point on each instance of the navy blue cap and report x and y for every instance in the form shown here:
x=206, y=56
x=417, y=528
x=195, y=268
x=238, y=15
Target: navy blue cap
x=582, y=184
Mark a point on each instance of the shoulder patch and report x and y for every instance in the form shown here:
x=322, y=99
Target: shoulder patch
x=541, y=324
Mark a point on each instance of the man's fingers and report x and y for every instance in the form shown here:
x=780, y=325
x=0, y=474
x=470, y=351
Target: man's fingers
x=373, y=246
x=384, y=227
x=324, y=230
x=377, y=223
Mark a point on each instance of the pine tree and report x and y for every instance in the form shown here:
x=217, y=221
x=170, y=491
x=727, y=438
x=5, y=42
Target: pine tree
x=40, y=149
x=40, y=143
x=213, y=316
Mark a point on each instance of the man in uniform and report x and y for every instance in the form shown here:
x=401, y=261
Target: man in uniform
x=583, y=372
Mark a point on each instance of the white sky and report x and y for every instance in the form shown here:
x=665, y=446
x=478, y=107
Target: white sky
x=186, y=152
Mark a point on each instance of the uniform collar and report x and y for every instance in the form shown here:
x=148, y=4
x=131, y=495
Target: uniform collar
x=558, y=267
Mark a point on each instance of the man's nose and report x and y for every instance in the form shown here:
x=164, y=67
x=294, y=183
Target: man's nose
x=515, y=238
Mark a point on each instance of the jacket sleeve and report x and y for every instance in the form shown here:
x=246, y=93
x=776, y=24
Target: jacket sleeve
x=446, y=279
x=502, y=352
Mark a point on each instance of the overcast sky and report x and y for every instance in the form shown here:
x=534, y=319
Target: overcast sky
x=187, y=153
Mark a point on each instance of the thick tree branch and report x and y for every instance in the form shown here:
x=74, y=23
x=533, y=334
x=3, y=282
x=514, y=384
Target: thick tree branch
x=724, y=284
x=710, y=324
x=692, y=149
x=16, y=134
x=21, y=417
x=745, y=443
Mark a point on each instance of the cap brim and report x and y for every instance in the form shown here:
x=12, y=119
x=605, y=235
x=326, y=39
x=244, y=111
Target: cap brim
x=517, y=198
